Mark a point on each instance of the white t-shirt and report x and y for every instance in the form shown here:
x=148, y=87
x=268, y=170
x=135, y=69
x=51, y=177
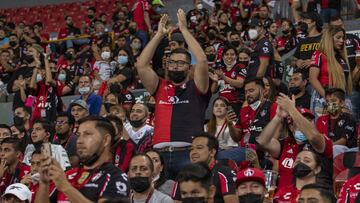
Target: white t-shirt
x=57, y=151
x=136, y=136
x=224, y=137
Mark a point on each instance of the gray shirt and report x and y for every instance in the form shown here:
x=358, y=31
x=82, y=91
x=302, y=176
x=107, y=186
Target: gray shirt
x=156, y=197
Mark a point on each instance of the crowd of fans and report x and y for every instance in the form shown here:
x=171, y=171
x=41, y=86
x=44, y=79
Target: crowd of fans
x=283, y=124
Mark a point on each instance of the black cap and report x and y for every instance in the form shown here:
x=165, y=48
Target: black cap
x=314, y=16
x=177, y=37
x=126, y=98
x=255, y=22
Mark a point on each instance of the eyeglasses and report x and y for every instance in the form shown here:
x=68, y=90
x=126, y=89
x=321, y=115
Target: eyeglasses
x=60, y=122
x=177, y=63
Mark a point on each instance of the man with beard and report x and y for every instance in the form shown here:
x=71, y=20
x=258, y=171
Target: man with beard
x=250, y=184
x=139, y=132
x=141, y=175
x=11, y=169
x=97, y=179
x=65, y=137
x=297, y=85
x=180, y=102
x=258, y=112
x=42, y=132
x=262, y=58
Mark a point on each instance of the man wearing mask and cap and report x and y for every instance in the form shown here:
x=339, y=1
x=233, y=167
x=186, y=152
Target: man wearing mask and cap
x=95, y=137
x=262, y=58
x=141, y=175
x=250, y=186
x=86, y=91
x=180, y=102
x=301, y=135
x=139, y=132
x=311, y=25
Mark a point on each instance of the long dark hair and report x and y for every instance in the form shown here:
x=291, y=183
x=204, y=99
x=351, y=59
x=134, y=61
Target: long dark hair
x=163, y=174
x=211, y=125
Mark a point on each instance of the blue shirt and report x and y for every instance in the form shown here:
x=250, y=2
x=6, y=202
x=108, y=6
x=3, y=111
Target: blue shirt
x=94, y=102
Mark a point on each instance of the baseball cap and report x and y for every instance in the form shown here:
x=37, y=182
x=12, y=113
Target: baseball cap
x=255, y=22
x=306, y=112
x=250, y=174
x=19, y=190
x=314, y=16
x=81, y=103
x=126, y=98
x=177, y=37
x=158, y=2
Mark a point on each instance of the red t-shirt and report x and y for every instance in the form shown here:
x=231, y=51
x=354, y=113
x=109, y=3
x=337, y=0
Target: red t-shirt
x=139, y=8
x=232, y=94
x=16, y=177
x=350, y=190
x=288, y=194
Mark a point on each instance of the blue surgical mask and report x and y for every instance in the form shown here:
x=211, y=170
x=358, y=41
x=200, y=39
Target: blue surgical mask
x=62, y=77
x=38, y=78
x=158, y=9
x=122, y=60
x=299, y=136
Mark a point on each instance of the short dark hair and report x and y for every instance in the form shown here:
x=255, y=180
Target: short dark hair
x=227, y=48
x=212, y=143
x=337, y=92
x=257, y=81
x=15, y=142
x=92, y=8
x=37, y=151
x=182, y=51
x=68, y=115
x=336, y=18
x=47, y=125
x=103, y=125
x=233, y=33
x=151, y=165
x=2, y=125
x=88, y=76
x=197, y=172
x=323, y=190
x=300, y=71
x=117, y=121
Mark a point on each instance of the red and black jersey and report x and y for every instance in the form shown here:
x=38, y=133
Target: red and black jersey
x=223, y=178
x=123, y=150
x=342, y=127
x=179, y=111
x=8, y=178
x=107, y=182
x=350, y=190
x=352, y=44
x=232, y=94
x=262, y=49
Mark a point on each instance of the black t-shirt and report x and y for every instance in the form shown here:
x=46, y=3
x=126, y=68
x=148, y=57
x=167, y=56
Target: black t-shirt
x=352, y=43
x=128, y=73
x=262, y=49
x=306, y=47
x=69, y=145
x=303, y=101
x=343, y=127
x=26, y=72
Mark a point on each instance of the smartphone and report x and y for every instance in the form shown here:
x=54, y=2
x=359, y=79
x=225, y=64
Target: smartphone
x=46, y=151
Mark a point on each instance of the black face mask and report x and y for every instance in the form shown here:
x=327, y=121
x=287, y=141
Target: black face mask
x=91, y=16
x=132, y=30
x=245, y=63
x=68, y=56
x=211, y=36
x=235, y=43
x=137, y=123
x=151, y=107
x=12, y=43
x=19, y=121
x=285, y=32
x=62, y=136
x=301, y=170
x=251, y=198
x=193, y=200
x=303, y=27
x=211, y=57
x=29, y=58
x=139, y=184
x=294, y=90
x=177, y=76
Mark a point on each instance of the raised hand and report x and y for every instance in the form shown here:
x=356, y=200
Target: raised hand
x=285, y=102
x=57, y=175
x=163, y=27
x=3, y=167
x=214, y=77
x=182, y=20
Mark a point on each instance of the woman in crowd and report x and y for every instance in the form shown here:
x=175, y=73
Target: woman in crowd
x=230, y=76
x=135, y=46
x=222, y=127
x=329, y=67
x=161, y=181
x=305, y=169
x=270, y=91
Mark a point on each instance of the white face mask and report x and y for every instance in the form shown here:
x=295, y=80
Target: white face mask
x=38, y=78
x=84, y=90
x=253, y=34
x=230, y=65
x=199, y=6
x=105, y=55
x=62, y=77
